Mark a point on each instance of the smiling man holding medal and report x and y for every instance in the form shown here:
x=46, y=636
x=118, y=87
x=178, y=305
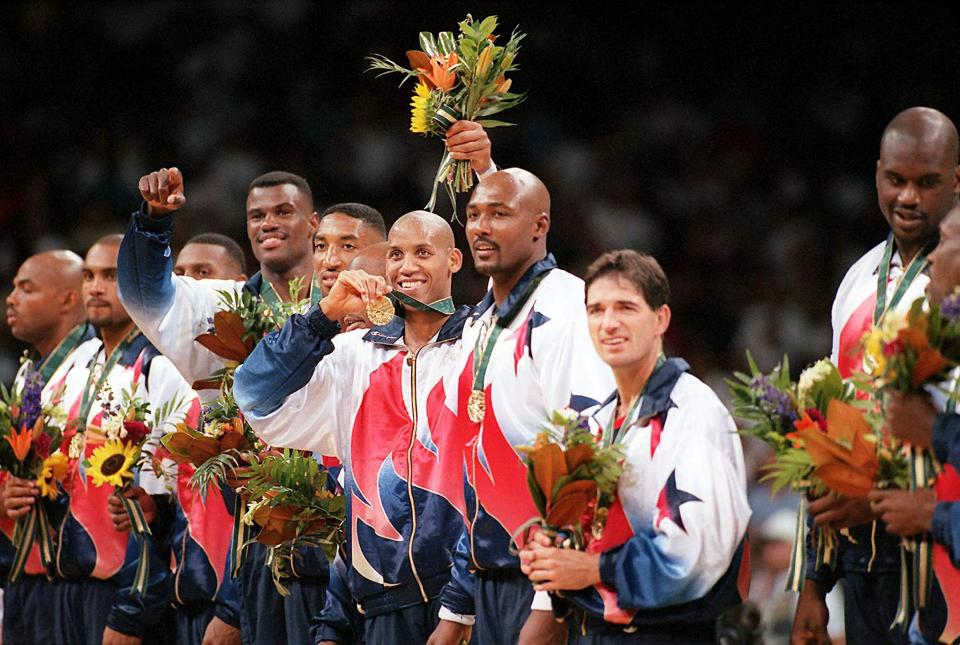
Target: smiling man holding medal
x=917, y=180
x=375, y=401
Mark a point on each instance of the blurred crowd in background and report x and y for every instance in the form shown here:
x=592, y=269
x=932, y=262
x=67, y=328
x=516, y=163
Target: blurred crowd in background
x=737, y=144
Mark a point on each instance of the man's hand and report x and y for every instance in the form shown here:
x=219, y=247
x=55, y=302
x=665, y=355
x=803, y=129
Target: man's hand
x=19, y=496
x=468, y=141
x=163, y=191
x=810, y=621
x=121, y=520
x=351, y=293
x=448, y=632
x=542, y=628
x=553, y=569
x=905, y=512
x=838, y=512
x=111, y=637
x=221, y=633
x=910, y=417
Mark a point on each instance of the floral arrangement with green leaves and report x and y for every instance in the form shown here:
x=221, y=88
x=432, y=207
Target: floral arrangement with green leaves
x=291, y=498
x=572, y=478
x=459, y=76
x=32, y=434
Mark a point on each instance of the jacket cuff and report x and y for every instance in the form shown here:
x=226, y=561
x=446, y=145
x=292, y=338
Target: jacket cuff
x=226, y=614
x=327, y=632
x=608, y=568
x=945, y=429
x=320, y=324
x=121, y=622
x=149, y=224
x=941, y=522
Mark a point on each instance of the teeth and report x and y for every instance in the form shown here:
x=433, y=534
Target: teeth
x=410, y=284
x=614, y=341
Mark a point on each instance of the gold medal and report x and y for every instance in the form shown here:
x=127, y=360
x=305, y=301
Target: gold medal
x=380, y=311
x=476, y=406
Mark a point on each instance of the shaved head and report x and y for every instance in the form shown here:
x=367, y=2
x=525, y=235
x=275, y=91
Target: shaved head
x=923, y=127
x=371, y=259
x=46, y=301
x=430, y=224
x=533, y=194
x=917, y=176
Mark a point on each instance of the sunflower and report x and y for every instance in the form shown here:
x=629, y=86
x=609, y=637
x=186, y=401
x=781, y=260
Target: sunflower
x=112, y=463
x=421, y=116
x=53, y=470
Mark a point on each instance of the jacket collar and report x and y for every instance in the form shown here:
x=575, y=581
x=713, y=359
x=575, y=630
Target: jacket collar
x=546, y=264
x=656, y=396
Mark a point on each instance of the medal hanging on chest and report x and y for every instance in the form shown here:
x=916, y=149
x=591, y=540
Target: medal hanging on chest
x=477, y=406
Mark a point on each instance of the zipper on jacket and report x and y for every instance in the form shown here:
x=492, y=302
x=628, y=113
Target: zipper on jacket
x=412, y=362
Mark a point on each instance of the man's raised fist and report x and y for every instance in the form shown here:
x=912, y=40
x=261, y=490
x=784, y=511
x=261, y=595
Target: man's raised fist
x=163, y=191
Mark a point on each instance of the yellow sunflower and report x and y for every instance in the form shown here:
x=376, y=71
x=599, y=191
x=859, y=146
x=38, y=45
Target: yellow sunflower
x=112, y=463
x=420, y=115
x=53, y=470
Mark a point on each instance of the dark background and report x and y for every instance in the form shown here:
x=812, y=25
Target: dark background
x=737, y=144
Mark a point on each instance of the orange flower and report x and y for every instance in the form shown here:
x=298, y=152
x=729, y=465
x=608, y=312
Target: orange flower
x=436, y=71
x=20, y=442
x=844, y=460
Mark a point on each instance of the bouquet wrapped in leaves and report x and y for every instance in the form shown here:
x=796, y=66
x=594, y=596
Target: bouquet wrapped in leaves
x=217, y=446
x=823, y=437
x=32, y=433
x=127, y=427
x=459, y=76
x=907, y=354
x=295, y=504
x=572, y=478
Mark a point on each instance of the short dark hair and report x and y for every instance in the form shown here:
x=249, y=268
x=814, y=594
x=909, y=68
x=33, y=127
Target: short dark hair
x=228, y=244
x=367, y=214
x=639, y=269
x=280, y=177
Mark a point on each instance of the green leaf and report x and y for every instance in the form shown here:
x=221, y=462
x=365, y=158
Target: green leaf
x=428, y=44
x=492, y=123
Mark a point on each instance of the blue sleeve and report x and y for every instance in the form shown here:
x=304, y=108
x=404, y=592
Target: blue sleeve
x=228, y=607
x=283, y=362
x=339, y=621
x=824, y=575
x=946, y=528
x=131, y=612
x=145, y=263
x=946, y=439
x=458, y=594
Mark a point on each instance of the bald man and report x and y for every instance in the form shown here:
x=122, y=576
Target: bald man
x=917, y=179
x=525, y=352
x=374, y=401
x=44, y=310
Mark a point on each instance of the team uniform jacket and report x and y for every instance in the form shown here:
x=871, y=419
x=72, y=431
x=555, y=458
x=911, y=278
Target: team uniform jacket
x=87, y=545
x=377, y=407
x=946, y=520
x=674, y=548
x=852, y=317
x=542, y=362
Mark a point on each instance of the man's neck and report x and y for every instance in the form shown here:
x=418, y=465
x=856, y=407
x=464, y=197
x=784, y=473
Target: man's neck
x=504, y=284
x=281, y=281
x=420, y=327
x=909, y=250
x=113, y=336
x=44, y=346
x=631, y=379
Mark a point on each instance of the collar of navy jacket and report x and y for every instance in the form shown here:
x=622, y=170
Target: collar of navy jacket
x=546, y=264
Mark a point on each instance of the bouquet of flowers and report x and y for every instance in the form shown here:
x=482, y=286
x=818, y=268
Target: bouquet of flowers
x=32, y=435
x=295, y=504
x=126, y=449
x=572, y=478
x=215, y=448
x=905, y=354
x=458, y=77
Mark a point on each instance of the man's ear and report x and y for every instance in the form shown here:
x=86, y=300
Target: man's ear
x=456, y=260
x=663, y=319
x=541, y=225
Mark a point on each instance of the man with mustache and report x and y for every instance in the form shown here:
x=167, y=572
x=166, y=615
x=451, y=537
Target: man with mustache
x=211, y=256
x=281, y=223
x=917, y=178
x=44, y=310
x=914, y=419
x=94, y=564
x=373, y=398
x=523, y=356
x=345, y=230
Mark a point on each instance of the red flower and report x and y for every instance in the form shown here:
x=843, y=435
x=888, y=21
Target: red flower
x=814, y=415
x=137, y=431
x=41, y=446
x=893, y=348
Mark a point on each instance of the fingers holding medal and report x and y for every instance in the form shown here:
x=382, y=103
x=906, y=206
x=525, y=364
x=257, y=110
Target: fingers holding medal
x=358, y=292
